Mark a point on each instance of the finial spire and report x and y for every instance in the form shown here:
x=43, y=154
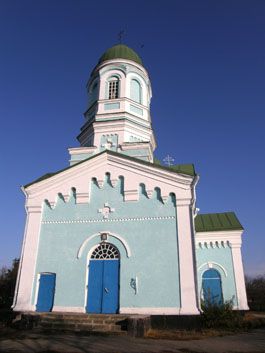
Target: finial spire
x=121, y=34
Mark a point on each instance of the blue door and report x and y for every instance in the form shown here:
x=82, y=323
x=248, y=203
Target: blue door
x=46, y=292
x=103, y=286
x=212, y=287
x=103, y=280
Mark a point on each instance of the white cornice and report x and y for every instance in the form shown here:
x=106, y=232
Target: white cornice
x=233, y=237
x=81, y=150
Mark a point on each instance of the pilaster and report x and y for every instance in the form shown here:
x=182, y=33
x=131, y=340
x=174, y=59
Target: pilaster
x=186, y=258
x=239, y=275
x=22, y=301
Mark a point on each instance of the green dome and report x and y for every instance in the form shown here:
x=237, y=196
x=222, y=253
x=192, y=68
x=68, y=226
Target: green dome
x=120, y=51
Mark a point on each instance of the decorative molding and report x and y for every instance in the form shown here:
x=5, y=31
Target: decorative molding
x=81, y=150
x=131, y=195
x=82, y=197
x=183, y=202
x=231, y=238
x=213, y=244
x=33, y=209
x=106, y=210
x=128, y=219
x=154, y=311
x=100, y=183
x=212, y=264
x=133, y=172
x=149, y=193
x=110, y=234
x=114, y=182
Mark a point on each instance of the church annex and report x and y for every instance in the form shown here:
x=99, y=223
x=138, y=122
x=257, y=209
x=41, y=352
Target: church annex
x=116, y=232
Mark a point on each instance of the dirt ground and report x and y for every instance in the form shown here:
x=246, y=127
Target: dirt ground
x=13, y=341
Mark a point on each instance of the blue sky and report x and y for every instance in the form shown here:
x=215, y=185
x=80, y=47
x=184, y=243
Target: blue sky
x=207, y=67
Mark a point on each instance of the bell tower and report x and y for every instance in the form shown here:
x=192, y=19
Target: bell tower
x=118, y=115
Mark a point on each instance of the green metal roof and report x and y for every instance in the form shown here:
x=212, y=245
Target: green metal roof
x=211, y=222
x=187, y=169
x=120, y=51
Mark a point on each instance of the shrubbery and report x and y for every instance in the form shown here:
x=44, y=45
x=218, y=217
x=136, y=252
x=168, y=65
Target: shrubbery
x=7, y=284
x=221, y=316
x=256, y=293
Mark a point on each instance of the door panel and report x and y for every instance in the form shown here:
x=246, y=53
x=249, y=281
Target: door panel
x=95, y=283
x=46, y=292
x=110, y=299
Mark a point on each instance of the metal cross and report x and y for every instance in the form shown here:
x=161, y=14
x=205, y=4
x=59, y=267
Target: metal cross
x=120, y=35
x=168, y=160
x=106, y=210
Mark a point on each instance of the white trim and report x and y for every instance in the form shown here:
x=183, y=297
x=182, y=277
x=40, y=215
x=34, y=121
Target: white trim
x=239, y=278
x=70, y=309
x=188, y=289
x=152, y=311
x=29, y=259
x=124, y=243
x=209, y=265
x=128, y=219
x=37, y=287
x=231, y=236
x=81, y=150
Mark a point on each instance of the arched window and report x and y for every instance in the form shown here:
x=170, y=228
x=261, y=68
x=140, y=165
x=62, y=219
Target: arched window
x=105, y=251
x=113, y=88
x=136, y=91
x=212, y=287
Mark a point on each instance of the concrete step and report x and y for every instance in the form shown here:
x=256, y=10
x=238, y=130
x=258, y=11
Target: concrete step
x=85, y=323
x=80, y=326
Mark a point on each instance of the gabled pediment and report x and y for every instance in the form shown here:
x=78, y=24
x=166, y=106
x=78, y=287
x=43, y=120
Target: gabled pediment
x=133, y=171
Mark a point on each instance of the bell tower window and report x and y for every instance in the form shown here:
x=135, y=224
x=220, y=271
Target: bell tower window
x=136, y=91
x=113, y=88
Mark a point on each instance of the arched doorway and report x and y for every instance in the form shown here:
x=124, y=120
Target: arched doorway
x=212, y=287
x=103, y=280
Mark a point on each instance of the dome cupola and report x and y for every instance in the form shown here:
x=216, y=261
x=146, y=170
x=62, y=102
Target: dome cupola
x=120, y=51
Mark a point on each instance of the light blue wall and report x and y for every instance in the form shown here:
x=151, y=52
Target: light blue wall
x=152, y=239
x=218, y=256
x=136, y=110
x=110, y=106
x=112, y=139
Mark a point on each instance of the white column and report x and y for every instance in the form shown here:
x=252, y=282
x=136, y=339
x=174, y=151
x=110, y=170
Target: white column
x=22, y=301
x=188, y=293
x=239, y=275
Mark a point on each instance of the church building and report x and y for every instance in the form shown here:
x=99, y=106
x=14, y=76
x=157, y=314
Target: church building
x=116, y=231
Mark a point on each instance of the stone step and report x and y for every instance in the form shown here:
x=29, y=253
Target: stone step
x=87, y=323
x=83, y=318
x=84, y=328
x=79, y=326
